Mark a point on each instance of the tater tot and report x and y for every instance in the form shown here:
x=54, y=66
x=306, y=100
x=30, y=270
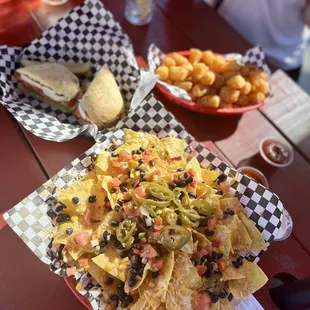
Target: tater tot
x=227, y=75
x=243, y=100
x=195, y=55
x=219, y=81
x=184, y=85
x=208, y=78
x=217, y=63
x=210, y=101
x=207, y=57
x=246, y=89
x=255, y=98
x=245, y=71
x=188, y=66
x=199, y=71
x=236, y=82
x=179, y=59
x=163, y=72
x=229, y=95
x=257, y=74
x=169, y=61
x=177, y=73
x=212, y=91
x=199, y=90
x=230, y=65
x=260, y=85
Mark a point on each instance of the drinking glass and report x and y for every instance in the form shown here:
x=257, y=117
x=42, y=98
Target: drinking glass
x=139, y=12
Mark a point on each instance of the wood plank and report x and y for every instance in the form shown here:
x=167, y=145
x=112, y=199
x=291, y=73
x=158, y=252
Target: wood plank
x=20, y=172
x=289, y=110
x=290, y=183
x=27, y=283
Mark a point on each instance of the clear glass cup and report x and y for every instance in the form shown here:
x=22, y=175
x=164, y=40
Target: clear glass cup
x=139, y=12
x=55, y=2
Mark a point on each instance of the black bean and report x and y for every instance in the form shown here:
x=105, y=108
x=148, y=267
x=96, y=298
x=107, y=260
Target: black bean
x=117, y=207
x=223, y=294
x=123, y=184
x=239, y=260
x=120, y=201
x=181, y=184
x=141, y=161
x=59, y=208
x=133, y=152
x=142, y=149
x=123, y=189
x=185, y=175
x=114, y=297
x=235, y=264
x=230, y=212
x=132, y=281
x=155, y=274
x=196, y=261
x=118, y=245
x=189, y=180
x=142, y=174
x=225, y=214
x=213, y=256
x=209, y=233
x=180, y=170
x=69, y=231
x=102, y=244
x=214, y=299
x=106, y=199
x=112, y=147
x=62, y=217
x=92, y=199
x=219, y=192
x=113, y=238
x=51, y=214
x=113, y=190
x=221, y=178
x=108, y=208
x=124, y=304
x=138, y=152
x=106, y=234
x=114, y=154
x=152, y=163
x=57, y=264
x=120, y=286
x=124, y=254
x=129, y=298
x=114, y=224
x=140, y=271
x=193, y=195
x=75, y=200
x=172, y=185
x=109, y=281
x=138, y=168
x=220, y=255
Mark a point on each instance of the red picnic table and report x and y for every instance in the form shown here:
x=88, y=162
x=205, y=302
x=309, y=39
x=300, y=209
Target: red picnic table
x=27, y=161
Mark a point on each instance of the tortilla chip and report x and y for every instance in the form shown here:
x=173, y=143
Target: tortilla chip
x=133, y=137
x=105, y=224
x=102, y=163
x=82, y=189
x=75, y=252
x=258, y=242
x=174, y=146
x=111, y=263
x=138, y=283
x=155, y=290
x=254, y=279
x=195, y=166
x=232, y=273
x=203, y=241
x=222, y=304
x=209, y=176
x=230, y=203
x=141, y=304
x=222, y=233
x=189, y=246
x=179, y=297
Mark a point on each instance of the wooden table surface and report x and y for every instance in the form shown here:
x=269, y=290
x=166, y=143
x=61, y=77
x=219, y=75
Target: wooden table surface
x=27, y=161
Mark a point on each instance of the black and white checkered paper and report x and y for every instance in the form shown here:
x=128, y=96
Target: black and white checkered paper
x=30, y=221
x=89, y=34
x=254, y=56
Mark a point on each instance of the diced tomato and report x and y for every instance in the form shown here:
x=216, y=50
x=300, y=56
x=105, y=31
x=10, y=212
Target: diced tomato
x=70, y=271
x=215, y=243
x=87, y=217
x=202, y=302
x=193, y=184
x=116, y=182
x=203, y=252
x=201, y=269
x=82, y=238
x=148, y=252
x=211, y=223
x=141, y=191
x=147, y=153
x=143, y=240
x=158, y=264
x=225, y=186
x=158, y=221
x=220, y=267
x=136, y=251
x=116, y=164
x=131, y=212
x=83, y=262
x=124, y=156
x=146, y=158
x=155, y=234
x=191, y=173
x=199, y=192
x=176, y=158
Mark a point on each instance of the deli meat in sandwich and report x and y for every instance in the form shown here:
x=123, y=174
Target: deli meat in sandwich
x=52, y=83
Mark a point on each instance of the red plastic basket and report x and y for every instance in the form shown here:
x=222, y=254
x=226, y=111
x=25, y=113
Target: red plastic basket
x=190, y=105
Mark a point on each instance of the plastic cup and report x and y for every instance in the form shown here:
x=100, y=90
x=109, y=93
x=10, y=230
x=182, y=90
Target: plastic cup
x=286, y=227
x=139, y=12
x=254, y=174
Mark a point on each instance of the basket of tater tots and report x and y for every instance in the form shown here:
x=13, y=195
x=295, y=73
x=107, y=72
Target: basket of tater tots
x=211, y=83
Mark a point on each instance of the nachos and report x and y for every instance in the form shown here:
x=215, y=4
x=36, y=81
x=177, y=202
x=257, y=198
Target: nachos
x=158, y=231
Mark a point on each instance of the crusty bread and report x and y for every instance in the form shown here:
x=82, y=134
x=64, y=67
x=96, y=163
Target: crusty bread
x=103, y=101
x=53, y=76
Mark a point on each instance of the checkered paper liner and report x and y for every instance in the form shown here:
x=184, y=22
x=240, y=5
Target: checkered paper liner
x=89, y=34
x=254, y=55
x=31, y=223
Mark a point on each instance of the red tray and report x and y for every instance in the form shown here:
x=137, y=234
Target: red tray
x=190, y=105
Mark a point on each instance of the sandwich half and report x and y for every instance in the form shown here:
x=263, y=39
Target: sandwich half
x=52, y=83
x=102, y=104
